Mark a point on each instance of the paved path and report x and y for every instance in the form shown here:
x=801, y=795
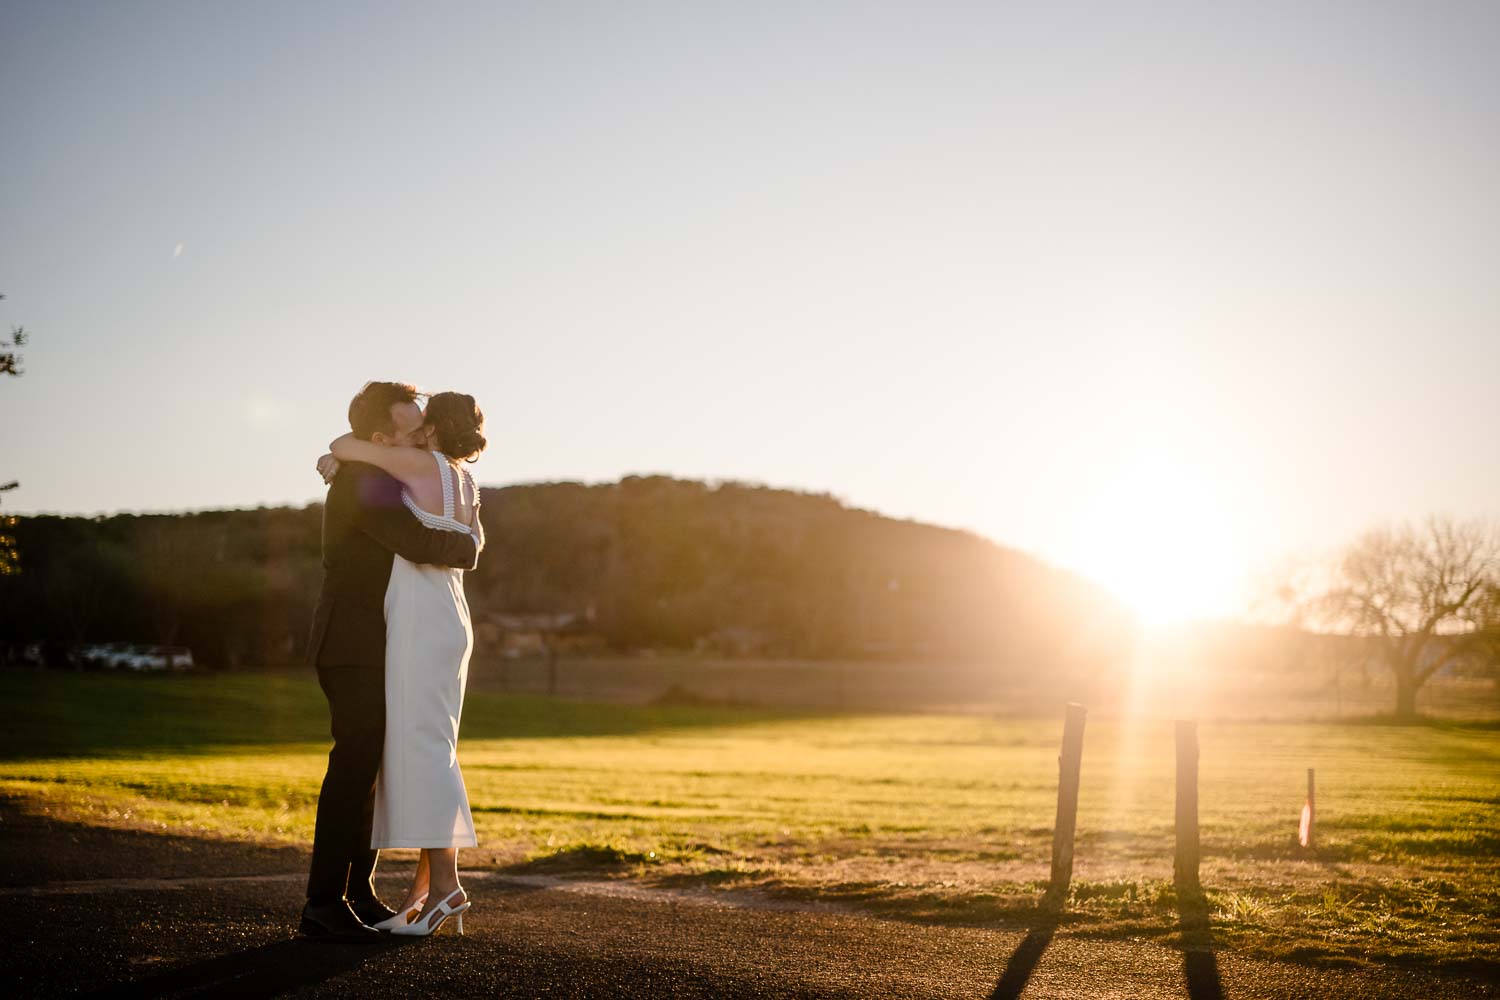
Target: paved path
x=125, y=913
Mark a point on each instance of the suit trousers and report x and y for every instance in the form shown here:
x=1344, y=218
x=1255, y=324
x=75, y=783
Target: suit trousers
x=343, y=862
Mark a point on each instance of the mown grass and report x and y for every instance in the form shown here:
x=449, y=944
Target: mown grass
x=934, y=818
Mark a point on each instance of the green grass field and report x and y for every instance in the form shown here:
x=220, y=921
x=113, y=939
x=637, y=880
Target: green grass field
x=936, y=818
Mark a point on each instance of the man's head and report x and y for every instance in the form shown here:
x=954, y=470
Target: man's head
x=387, y=413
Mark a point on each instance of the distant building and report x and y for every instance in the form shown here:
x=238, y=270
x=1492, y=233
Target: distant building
x=516, y=634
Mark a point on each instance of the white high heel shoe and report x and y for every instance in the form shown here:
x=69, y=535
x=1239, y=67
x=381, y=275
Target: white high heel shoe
x=426, y=925
x=402, y=919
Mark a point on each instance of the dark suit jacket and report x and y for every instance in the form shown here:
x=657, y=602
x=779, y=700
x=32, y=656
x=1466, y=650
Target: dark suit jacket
x=364, y=522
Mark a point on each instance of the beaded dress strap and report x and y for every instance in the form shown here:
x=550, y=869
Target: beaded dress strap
x=473, y=486
x=445, y=521
x=443, y=473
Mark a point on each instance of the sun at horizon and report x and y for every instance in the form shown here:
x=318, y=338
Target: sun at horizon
x=1160, y=534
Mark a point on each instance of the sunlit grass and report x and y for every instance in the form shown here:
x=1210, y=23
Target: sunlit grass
x=922, y=817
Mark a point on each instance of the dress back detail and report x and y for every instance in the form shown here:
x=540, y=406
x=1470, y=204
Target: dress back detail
x=448, y=520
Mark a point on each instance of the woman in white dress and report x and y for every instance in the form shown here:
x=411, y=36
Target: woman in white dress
x=420, y=799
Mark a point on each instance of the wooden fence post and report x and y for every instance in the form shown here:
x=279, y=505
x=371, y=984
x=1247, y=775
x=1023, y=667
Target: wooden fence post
x=1185, y=869
x=1068, y=764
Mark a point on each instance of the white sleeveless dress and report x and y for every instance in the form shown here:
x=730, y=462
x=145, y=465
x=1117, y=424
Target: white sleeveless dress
x=420, y=799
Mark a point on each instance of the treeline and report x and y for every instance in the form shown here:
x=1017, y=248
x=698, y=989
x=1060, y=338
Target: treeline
x=648, y=562
x=237, y=587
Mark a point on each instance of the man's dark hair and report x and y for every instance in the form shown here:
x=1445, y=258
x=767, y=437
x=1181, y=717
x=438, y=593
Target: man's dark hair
x=370, y=411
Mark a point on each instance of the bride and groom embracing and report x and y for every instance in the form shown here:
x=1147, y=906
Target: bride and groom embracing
x=391, y=640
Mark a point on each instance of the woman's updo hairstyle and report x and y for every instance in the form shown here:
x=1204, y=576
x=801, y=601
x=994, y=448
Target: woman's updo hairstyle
x=457, y=425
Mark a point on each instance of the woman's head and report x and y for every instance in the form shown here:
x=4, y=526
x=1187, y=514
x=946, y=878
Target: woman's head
x=455, y=425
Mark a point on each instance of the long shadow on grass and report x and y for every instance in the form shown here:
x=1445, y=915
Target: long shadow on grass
x=269, y=970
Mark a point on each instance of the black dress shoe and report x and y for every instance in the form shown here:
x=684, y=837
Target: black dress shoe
x=371, y=911
x=334, y=922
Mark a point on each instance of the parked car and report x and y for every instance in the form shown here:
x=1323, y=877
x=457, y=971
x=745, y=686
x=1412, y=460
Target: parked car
x=92, y=655
x=97, y=655
x=132, y=656
x=157, y=658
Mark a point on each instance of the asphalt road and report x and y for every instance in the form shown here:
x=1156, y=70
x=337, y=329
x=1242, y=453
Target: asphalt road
x=128, y=913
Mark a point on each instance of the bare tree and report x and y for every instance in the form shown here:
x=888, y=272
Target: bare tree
x=1418, y=594
x=1484, y=642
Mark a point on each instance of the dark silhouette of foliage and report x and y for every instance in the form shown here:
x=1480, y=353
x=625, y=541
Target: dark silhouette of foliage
x=10, y=361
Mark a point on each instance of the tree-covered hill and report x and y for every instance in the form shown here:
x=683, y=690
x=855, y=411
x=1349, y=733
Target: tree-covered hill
x=649, y=562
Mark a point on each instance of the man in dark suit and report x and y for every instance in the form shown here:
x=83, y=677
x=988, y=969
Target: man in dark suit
x=364, y=522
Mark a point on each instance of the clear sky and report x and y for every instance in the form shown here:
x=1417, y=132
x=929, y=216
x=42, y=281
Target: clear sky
x=1157, y=292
